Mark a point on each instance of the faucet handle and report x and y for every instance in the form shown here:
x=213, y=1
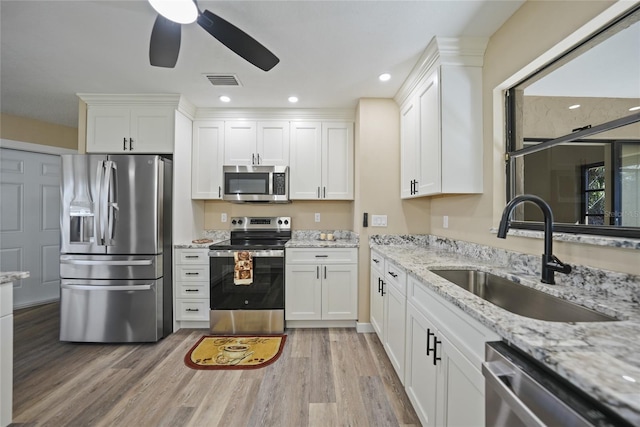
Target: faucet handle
x=558, y=265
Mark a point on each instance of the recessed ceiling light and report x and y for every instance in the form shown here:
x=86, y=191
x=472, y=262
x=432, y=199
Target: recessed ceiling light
x=573, y=107
x=293, y=99
x=634, y=108
x=225, y=98
x=180, y=11
x=384, y=77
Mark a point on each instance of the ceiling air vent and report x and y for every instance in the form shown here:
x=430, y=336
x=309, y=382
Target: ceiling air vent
x=223, y=79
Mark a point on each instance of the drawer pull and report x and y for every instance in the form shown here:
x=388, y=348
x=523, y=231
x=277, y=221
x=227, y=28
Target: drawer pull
x=192, y=256
x=322, y=256
x=429, y=335
x=193, y=309
x=375, y=260
x=394, y=275
x=192, y=290
x=192, y=274
x=436, y=341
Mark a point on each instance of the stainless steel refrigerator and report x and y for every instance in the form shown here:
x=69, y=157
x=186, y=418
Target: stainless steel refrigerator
x=115, y=257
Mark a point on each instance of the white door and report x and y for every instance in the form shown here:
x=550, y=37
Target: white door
x=273, y=143
x=337, y=161
x=305, y=175
x=30, y=223
x=240, y=143
x=339, y=292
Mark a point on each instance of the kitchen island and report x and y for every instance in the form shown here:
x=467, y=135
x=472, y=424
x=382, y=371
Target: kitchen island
x=6, y=339
x=600, y=358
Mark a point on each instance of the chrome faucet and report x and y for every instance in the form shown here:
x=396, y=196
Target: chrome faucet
x=550, y=264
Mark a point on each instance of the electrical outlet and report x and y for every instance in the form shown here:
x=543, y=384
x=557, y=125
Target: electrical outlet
x=223, y=217
x=378, y=220
x=317, y=216
x=445, y=221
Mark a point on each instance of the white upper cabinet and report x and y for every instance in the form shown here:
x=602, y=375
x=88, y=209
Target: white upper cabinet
x=256, y=143
x=131, y=123
x=321, y=161
x=207, y=156
x=441, y=120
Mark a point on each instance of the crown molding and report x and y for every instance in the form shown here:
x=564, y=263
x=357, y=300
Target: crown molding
x=156, y=99
x=448, y=51
x=288, y=114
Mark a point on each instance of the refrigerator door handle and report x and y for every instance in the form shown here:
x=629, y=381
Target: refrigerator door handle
x=99, y=214
x=111, y=203
x=101, y=262
x=106, y=287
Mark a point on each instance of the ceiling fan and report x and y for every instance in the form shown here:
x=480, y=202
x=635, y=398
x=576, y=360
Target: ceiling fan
x=166, y=34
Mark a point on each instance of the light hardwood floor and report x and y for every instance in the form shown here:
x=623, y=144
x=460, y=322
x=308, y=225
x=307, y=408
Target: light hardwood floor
x=325, y=377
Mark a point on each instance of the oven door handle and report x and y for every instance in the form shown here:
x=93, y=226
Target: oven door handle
x=255, y=254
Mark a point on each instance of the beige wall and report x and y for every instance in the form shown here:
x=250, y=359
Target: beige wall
x=534, y=29
x=37, y=132
x=377, y=184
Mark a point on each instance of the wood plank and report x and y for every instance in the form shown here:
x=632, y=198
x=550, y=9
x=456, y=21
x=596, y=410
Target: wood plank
x=324, y=377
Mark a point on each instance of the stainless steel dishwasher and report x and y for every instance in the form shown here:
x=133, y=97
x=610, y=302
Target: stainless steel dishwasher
x=521, y=392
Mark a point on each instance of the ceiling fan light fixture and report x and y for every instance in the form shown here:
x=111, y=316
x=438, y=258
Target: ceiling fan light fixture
x=180, y=11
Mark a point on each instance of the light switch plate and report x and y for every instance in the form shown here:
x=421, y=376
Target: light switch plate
x=317, y=217
x=378, y=220
x=223, y=217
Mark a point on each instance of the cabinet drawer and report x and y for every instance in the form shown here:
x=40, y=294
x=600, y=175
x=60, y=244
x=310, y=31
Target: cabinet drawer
x=192, y=256
x=188, y=273
x=196, y=290
x=377, y=261
x=465, y=333
x=395, y=276
x=322, y=256
x=192, y=309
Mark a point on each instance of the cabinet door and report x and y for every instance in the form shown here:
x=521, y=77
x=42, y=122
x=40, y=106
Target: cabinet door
x=303, y=292
x=408, y=149
x=422, y=378
x=206, y=162
x=394, y=328
x=337, y=161
x=339, y=292
x=273, y=143
x=108, y=129
x=240, y=143
x=376, y=304
x=152, y=130
x=305, y=175
x=429, y=172
x=465, y=389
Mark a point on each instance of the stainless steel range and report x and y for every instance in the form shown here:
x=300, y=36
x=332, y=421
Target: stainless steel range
x=247, y=277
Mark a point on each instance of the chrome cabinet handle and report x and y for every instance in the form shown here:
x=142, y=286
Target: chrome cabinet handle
x=124, y=144
x=193, y=309
x=192, y=256
x=191, y=274
x=258, y=155
x=379, y=285
x=325, y=271
x=219, y=191
x=130, y=144
x=324, y=192
x=191, y=290
x=318, y=192
x=317, y=271
x=322, y=256
x=253, y=159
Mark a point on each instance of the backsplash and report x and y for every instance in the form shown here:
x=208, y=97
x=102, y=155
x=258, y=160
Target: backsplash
x=602, y=282
x=315, y=234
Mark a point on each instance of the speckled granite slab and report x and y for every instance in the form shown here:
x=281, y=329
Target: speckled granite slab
x=12, y=276
x=311, y=239
x=214, y=235
x=601, y=358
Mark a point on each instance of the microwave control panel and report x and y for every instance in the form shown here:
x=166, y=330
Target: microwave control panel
x=279, y=184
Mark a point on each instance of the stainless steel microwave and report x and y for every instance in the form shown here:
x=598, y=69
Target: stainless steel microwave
x=266, y=184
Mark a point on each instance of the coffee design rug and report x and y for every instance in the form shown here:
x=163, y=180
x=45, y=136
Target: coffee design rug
x=235, y=352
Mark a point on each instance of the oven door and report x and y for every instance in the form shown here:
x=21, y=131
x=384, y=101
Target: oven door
x=266, y=290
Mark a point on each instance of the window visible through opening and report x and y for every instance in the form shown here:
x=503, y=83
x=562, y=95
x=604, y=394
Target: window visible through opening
x=593, y=194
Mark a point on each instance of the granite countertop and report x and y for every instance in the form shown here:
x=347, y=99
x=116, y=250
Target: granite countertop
x=600, y=358
x=12, y=276
x=192, y=245
x=317, y=243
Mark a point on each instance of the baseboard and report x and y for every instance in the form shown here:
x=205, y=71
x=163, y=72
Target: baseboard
x=364, y=328
x=35, y=303
x=320, y=324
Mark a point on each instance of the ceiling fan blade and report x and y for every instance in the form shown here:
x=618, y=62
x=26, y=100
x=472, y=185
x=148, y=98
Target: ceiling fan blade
x=238, y=41
x=165, y=43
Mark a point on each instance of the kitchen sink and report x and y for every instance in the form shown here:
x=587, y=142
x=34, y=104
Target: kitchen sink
x=520, y=299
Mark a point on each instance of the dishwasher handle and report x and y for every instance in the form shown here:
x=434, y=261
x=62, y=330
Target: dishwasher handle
x=493, y=373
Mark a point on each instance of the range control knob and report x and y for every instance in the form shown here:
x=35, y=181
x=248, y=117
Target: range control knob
x=279, y=222
x=240, y=221
x=286, y=221
x=234, y=222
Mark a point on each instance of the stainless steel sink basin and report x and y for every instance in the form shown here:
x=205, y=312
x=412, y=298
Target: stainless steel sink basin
x=520, y=299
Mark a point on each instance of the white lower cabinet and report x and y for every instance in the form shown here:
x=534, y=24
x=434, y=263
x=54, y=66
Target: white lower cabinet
x=6, y=353
x=444, y=353
x=376, y=296
x=321, y=284
x=436, y=349
x=191, y=272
